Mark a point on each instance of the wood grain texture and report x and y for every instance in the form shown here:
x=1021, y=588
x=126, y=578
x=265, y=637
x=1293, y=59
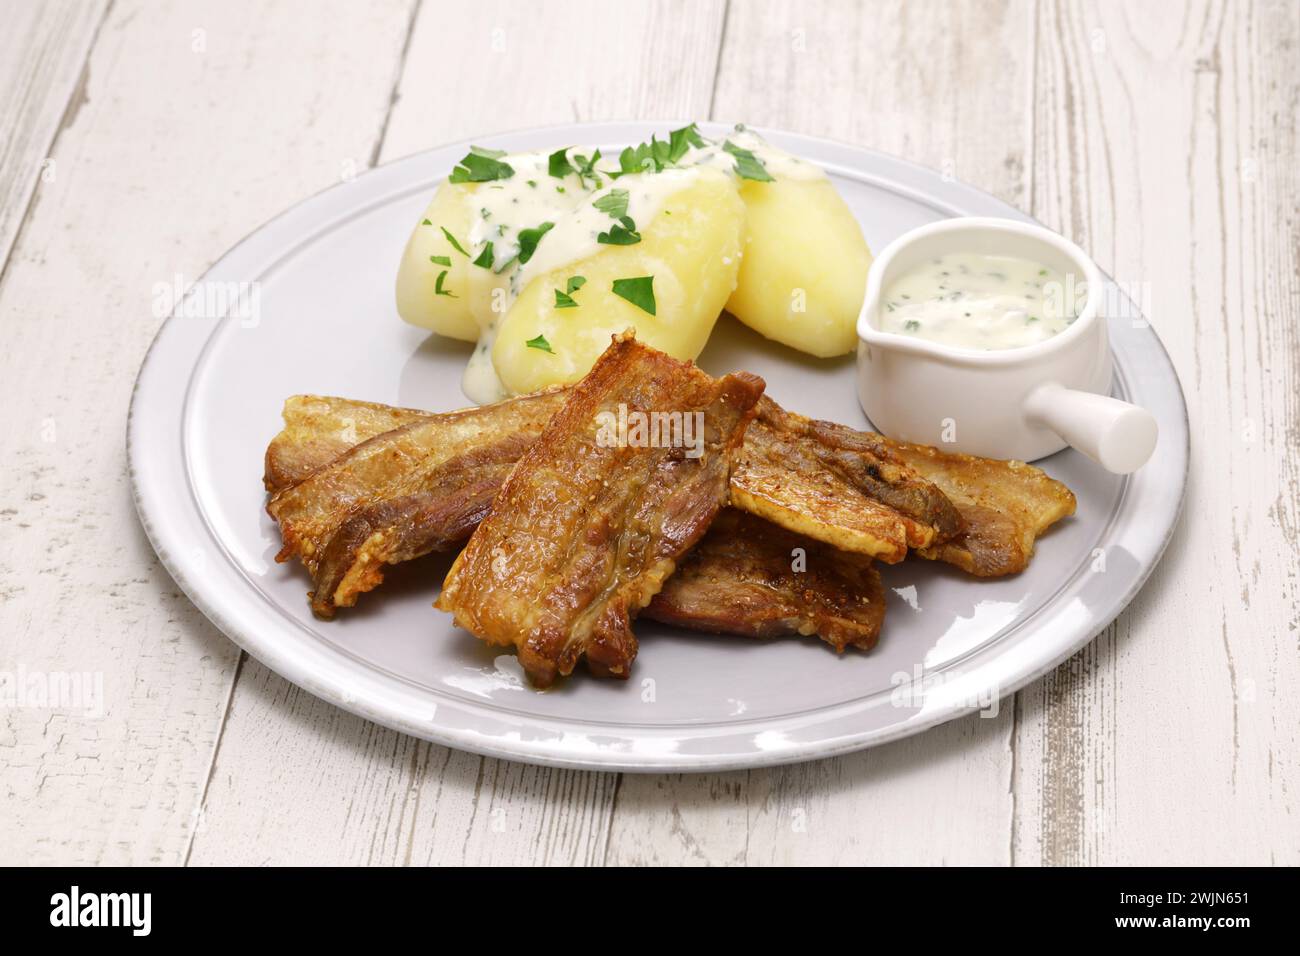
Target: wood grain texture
x=299, y=780
x=1162, y=137
x=1166, y=144
x=194, y=129
x=43, y=50
x=941, y=799
x=383, y=797
x=475, y=69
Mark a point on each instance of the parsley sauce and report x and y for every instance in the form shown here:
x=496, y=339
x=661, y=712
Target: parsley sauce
x=984, y=302
x=510, y=212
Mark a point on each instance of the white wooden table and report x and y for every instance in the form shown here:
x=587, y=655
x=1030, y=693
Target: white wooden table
x=140, y=140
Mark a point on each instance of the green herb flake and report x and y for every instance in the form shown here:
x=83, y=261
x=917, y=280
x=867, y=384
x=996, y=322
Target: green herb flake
x=540, y=344
x=439, y=290
x=656, y=155
x=481, y=166
x=748, y=166
x=564, y=299
x=629, y=161
x=643, y=158
x=621, y=234
x=681, y=140
x=911, y=325
x=587, y=168
x=426, y=223
x=485, y=256
x=613, y=203
x=440, y=260
x=529, y=238
x=558, y=164
x=454, y=244
x=639, y=291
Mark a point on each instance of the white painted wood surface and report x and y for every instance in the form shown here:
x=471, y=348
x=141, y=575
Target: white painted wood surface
x=1162, y=137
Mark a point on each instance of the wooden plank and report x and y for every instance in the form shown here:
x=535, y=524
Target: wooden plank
x=479, y=68
x=941, y=798
x=196, y=122
x=884, y=77
x=1166, y=142
x=43, y=51
x=298, y=780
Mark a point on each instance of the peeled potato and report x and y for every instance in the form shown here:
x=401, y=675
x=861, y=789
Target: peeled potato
x=692, y=248
x=418, y=303
x=804, y=272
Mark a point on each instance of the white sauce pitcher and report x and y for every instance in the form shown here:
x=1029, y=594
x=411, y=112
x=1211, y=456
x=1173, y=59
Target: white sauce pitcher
x=1023, y=403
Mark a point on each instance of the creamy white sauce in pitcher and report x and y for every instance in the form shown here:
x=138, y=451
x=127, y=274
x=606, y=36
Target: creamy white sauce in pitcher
x=976, y=301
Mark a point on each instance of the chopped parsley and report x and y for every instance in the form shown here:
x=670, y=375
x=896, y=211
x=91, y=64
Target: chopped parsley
x=681, y=140
x=452, y=239
x=613, y=203
x=655, y=155
x=558, y=163
x=485, y=257
x=587, y=168
x=748, y=166
x=481, y=165
x=426, y=223
x=529, y=238
x=643, y=158
x=439, y=290
x=565, y=299
x=540, y=344
x=911, y=325
x=623, y=233
x=639, y=291
x=440, y=260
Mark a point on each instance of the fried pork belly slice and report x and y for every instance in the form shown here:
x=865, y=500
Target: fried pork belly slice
x=1005, y=506
x=742, y=579
x=585, y=530
x=832, y=483
x=817, y=478
x=414, y=489
x=837, y=485
x=317, y=429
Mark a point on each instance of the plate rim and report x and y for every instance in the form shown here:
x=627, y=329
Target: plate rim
x=341, y=689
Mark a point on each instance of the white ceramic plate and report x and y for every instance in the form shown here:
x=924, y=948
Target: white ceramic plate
x=208, y=400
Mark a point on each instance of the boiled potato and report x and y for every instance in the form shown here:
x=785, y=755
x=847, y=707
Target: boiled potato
x=692, y=248
x=804, y=273
x=453, y=313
